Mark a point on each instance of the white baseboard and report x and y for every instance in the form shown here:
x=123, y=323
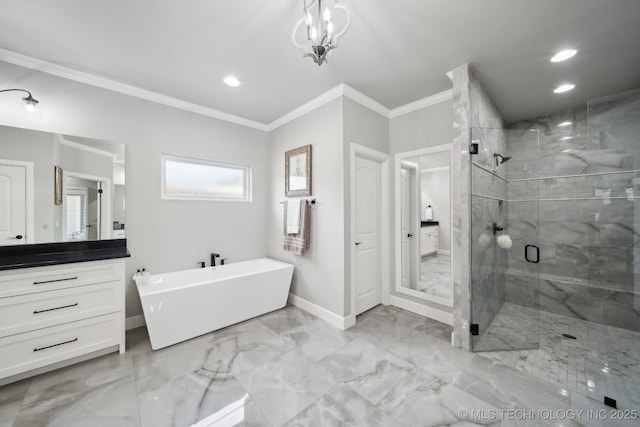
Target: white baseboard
x=134, y=322
x=423, y=310
x=324, y=314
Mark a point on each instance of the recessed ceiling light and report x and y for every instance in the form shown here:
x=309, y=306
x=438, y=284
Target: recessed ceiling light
x=563, y=124
x=564, y=138
x=567, y=151
x=231, y=81
x=564, y=55
x=564, y=88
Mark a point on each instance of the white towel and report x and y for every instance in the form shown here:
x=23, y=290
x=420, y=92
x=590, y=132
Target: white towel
x=298, y=243
x=293, y=216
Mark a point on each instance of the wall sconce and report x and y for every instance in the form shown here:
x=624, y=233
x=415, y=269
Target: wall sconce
x=29, y=103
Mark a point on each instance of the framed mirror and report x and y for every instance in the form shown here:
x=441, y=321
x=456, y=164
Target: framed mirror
x=60, y=188
x=423, y=229
x=297, y=172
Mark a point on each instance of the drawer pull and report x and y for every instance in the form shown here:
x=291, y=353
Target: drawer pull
x=56, y=308
x=55, y=345
x=55, y=280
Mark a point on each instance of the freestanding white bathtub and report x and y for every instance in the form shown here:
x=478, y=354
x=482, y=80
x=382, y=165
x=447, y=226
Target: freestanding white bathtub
x=184, y=304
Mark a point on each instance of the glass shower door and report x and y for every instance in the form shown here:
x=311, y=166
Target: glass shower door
x=504, y=241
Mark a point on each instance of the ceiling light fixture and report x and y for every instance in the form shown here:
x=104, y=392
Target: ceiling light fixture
x=322, y=37
x=564, y=88
x=564, y=124
x=29, y=103
x=564, y=55
x=231, y=81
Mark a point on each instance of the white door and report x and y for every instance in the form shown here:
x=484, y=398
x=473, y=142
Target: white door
x=367, y=234
x=13, y=203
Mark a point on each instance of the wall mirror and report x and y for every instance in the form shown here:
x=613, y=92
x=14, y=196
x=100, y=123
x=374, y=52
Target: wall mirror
x=59, y=188
x=423, y=224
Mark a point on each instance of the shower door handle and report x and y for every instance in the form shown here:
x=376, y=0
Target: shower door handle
x=526, y=254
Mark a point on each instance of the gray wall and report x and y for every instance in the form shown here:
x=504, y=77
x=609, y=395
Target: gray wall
x=368, y=128
x=162, y=235
x=319, y=274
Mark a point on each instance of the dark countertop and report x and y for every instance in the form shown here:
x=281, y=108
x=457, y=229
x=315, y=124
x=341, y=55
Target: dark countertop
x=429, y=223
x=44, y=254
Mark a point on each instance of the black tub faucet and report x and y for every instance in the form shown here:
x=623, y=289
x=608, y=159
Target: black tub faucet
x=213, y=259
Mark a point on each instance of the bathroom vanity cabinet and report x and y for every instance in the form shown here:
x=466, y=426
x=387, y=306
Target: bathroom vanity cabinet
x=56, y=315
x=428, y=238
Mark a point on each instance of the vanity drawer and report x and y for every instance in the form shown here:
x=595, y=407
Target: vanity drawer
x=49, y=278
x=43, y=309
x=35, y=349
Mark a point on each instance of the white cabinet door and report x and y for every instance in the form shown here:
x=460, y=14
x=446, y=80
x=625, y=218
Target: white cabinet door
x=13, y=202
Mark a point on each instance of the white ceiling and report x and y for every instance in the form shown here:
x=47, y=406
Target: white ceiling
x=396, y=52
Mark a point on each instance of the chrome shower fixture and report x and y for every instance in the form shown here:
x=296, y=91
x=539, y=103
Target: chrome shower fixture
x=500, y=159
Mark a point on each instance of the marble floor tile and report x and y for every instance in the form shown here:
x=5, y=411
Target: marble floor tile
x=248, y=415
x=188, y=399
x=11, y=397
x=366, y=368
x=289, y=367
x=289, y=319
x=286, y=385
x=317, y=341
x=160, y=366
x=80, y=378
x=425, y=351
x=505, y=387
x=246, y=350
x=342, y=407
x=381, y=330
x=113, y=404
x=435, y=275
x=423, y=399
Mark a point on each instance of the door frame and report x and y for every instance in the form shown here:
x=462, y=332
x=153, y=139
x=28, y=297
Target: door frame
x=413, y=170
x=448, y=148
x=29, y=196
x=357, y=150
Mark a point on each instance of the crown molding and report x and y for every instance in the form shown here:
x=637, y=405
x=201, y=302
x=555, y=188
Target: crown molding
x=422, y=103
x=365, y=101
x=114, y=86
x=305, y=108
x=125, y=89
x=336, y=92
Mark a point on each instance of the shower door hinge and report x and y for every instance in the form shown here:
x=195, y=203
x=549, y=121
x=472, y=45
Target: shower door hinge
x=473, y=148
x=610, y=402
x=475, y=329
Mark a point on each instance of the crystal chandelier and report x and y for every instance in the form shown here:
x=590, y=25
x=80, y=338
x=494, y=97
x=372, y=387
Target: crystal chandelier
x=322, y=37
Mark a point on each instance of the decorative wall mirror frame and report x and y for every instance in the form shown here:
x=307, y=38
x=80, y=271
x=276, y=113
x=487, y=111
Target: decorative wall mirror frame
x=297, y=172
x=424, y=274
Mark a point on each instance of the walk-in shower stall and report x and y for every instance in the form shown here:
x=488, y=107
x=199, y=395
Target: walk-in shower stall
x=555, y=247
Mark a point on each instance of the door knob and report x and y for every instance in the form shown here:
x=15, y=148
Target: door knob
x=409, y=235
x=358, y=243
x=19, y=236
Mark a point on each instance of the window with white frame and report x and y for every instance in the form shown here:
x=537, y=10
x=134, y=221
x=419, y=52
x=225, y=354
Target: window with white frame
x=185, y=178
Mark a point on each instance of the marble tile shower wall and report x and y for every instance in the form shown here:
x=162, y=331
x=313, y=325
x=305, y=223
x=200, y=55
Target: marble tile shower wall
x=588, y=217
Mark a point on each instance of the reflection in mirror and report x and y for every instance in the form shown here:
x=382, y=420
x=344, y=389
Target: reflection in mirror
x=90, y=203
x=424, y=224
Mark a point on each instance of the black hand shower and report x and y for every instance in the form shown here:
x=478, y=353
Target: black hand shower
x=500, y=159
